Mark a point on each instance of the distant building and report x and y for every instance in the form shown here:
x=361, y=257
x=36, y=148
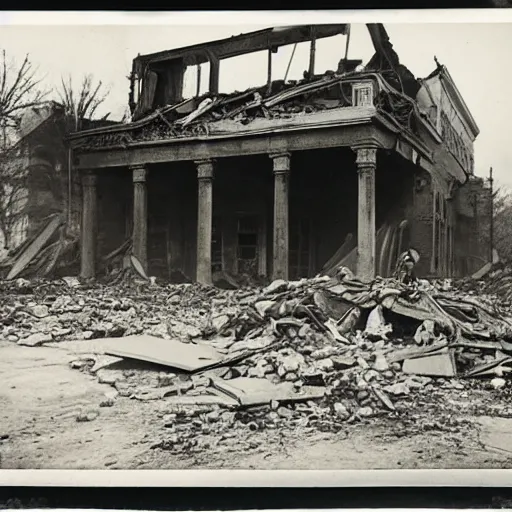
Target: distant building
x=35, y=176
x=286, y=179
x=30, y=167
x=460, y=205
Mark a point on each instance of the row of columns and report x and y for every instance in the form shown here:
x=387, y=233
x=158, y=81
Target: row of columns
x=90, y=220
x=366, y=164
x=205, y=174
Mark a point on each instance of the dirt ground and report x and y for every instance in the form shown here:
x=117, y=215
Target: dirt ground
x=41, y=397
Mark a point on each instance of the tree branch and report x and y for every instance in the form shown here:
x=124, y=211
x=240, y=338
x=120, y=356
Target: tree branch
x=82, y=103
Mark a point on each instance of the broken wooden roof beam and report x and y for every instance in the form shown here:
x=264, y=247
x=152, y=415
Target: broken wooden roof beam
x=242, y=44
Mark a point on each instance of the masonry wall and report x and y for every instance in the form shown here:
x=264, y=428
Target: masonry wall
x=48, y=174
x=473, y=206
x=444, y=104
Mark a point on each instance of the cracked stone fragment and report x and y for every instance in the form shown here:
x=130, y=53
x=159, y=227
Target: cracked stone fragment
x=35, y=340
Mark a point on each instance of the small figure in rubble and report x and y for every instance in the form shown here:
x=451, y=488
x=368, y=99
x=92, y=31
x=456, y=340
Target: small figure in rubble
x=405, y=266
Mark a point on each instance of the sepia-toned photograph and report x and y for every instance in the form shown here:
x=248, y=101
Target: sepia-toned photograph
x=259, y=244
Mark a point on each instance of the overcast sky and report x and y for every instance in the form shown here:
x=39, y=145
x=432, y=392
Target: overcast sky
x=477, y=56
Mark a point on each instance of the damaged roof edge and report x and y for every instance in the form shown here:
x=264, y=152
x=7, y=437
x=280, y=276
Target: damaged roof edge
x=448, y=81
x=247, y=43
x=364, y=115
x=390, y=124
x=453, y=91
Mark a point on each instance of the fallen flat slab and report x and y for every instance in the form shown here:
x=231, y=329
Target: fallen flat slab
x=254, y=391
x=397, y=356
x=184, y=356
x=194, y=400
x=438, y=364
x=496, y=433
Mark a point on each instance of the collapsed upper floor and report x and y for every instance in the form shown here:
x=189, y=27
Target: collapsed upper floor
x=163, y=107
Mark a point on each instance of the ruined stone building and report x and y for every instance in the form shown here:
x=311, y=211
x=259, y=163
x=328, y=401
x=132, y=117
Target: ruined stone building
x=36, y=184
x=286, y=179
x=32, y=174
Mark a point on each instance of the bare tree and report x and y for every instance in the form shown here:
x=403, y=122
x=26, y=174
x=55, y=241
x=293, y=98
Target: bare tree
x=82, y=102
x=20, y=89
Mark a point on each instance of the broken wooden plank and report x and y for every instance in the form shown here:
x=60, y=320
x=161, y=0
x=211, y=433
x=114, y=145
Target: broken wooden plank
x=479, y=344
x=506, y=346
x=173, y=353
x=33, y=249
x=482, y=272
x=137, y=265
x=253, y=391
x=292, y=92
x=121, y=249
x=204, y=107
x=383, y=397
x=492, y=368
x=330, y=267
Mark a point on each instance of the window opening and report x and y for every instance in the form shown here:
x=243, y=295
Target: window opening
x=248, y=244
x=300, y=250
x=216, y=244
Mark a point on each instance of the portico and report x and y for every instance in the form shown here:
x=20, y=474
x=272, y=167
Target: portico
x=267, y=162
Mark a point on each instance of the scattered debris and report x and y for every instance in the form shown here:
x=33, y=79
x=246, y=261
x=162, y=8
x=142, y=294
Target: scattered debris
x=315, y=352
x=35, y=340
x=84, y=416
x=498, y=383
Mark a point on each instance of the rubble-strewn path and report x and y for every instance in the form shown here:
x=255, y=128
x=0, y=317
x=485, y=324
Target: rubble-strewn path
x=41, y=397
x=318, y=373
x=39, y=402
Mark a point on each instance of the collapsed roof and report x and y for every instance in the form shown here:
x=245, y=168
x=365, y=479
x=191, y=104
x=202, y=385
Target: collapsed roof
x=161, y=113
x=270, y=38
x=384, y=67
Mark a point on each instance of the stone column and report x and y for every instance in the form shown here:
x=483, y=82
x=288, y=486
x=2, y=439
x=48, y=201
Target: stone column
x=88, y=231
x=281, y=163
x=204, y=221
x=140, y=215
x=366, y=164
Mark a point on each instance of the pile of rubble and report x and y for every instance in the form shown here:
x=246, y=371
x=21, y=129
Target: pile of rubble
x=316, y=352
x=496, y=284
x=38, y=311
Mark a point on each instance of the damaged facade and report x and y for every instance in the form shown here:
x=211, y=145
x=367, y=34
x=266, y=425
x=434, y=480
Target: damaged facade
x=286, y=180
x=39, y=191
x=34, y=174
